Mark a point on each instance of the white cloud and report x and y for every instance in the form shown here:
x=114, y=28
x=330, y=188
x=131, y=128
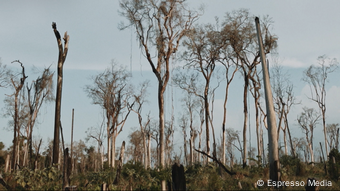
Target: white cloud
x=294, y=63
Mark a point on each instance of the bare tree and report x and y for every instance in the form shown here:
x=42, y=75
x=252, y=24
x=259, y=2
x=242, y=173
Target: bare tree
x=98, y=135
x=307, y=121
x=333, y=135
x=316, y=77
x=159, y=25
x=112, y=92
x=232, y=137
x=140, y=99
x=61, y=60
x=283, y=99
x=239, y=30
x=229, y=68
x=203, y=48
x=190, y=104
x=17, y=84
x=269, y=42
x=42, y=92
x=4, y=72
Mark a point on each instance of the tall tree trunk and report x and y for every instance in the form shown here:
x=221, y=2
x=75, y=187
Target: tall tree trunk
x=245, y=111
x=145, y=155
x=324, y=128
x=274, y=163
x=108, y=147
x=292, y=148
x=185, y=148
x=199, y=147
x=61, y=61
x=149, y=150
x=113, y=150
x=16, y=116
x=206, y=107
x=71, y=155
x=285, y=141
x=161, y=90
x=191, y=148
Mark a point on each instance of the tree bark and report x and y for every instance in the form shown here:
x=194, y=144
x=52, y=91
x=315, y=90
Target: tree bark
x=61, y=60
x=274, y=164
x=245, y=121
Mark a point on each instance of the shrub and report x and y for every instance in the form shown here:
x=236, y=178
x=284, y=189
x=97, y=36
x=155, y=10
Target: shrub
x=334, y=164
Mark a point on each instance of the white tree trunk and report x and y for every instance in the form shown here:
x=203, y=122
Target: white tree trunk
x=285, y=141
x=113, y=150
x=149, y=150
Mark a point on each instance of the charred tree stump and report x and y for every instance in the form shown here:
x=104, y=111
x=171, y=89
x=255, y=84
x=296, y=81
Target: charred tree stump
x=120, y=163
x=178, y=177
x=66, y=170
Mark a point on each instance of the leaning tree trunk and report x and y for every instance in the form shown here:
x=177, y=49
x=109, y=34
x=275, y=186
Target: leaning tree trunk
x=274, y=163
x=289, y=135
x=61, y=61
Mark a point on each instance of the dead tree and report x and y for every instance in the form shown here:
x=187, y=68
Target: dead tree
x=240, y=33
x=159, y=26
x=316, y=77
x=17, y=86
x=307, y=121
x=140, y=99
x=284, y=99
x=111, y=90
x=61, y=60
x=120, y=164
x=274, y=163
x=41, y=93
x=333, y=135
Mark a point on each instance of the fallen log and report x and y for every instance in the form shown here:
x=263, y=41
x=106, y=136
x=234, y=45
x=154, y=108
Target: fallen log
x=217, y=161
x=4, y=183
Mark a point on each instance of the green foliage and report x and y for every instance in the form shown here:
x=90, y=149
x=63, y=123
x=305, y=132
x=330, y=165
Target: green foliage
x=209, y=177
x=45, y=179
x=94, y=180
x=300, y=169
x=334, y=164
x=258, y=168
x=137, y=177
x=291, y=166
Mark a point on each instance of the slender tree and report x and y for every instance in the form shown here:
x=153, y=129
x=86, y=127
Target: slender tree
x=42, y=92
x=284, y=99
x=112, y=92
x=203, y=48
x=240, y=32
x=17, y=85
x=274, y=163
x=140, y=99
x=316, y=77
x=61, y=60
x=160, y=26
x=333, y=135
x=307, y=121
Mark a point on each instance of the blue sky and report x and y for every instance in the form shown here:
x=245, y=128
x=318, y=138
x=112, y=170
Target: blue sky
x=306, y=30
